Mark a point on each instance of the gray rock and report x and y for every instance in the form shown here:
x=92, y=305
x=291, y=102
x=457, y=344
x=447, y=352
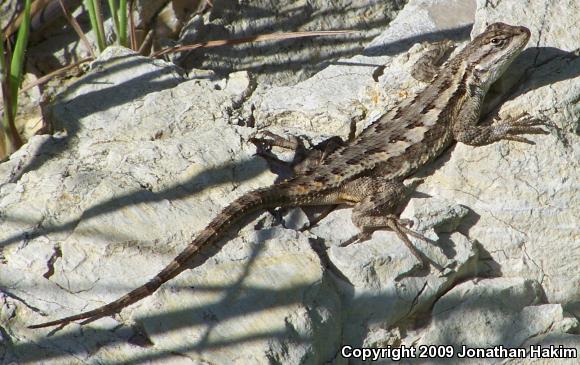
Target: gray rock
x=8, y=13
x=491, y=313
x=495, y=193
x=559, y=341
x=145, y=156
x=283, y=62
x=523, y=199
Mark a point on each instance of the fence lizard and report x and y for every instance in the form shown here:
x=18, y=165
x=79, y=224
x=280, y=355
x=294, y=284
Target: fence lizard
x=367, y=173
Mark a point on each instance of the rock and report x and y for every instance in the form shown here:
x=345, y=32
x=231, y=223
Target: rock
x=145, y=156
x=524, y=199
x=282, y=62
x=491, y=313
x=9, y=10
x=567, y=345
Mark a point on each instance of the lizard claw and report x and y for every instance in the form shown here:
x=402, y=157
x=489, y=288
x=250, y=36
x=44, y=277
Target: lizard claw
x=406, y=222
x=399, y=226
x=362, y=236
x=512, y=128
x=269, y=140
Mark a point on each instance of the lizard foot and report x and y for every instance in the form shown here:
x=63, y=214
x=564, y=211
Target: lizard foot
x=511, y=128
x=402, y=230
x=267, y=140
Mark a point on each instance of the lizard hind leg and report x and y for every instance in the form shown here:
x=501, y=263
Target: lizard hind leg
x=378, y=210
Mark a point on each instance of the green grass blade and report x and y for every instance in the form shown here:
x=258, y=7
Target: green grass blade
x=123, y=19
x=17, y=63
x=10, y=139
x=119, y=15
x=90, y=4
x=114, y=15
x=100, y=23
x=4, y=127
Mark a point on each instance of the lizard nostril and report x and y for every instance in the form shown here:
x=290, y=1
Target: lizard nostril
x=525, y=30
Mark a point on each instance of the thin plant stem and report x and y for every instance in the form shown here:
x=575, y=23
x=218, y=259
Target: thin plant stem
x=133, y=35
x=73, y=22
x=250, y=39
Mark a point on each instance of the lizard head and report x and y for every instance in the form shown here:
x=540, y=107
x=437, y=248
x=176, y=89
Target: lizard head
x=491, y=52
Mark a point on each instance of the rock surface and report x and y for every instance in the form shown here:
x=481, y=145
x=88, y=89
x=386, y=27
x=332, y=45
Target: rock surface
x=286, y=62
x=144, y=156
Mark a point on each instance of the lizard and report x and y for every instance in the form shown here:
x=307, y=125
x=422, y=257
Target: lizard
x=368, y=171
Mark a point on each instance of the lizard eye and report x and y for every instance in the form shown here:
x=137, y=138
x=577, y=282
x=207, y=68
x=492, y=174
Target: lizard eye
x=497, y=41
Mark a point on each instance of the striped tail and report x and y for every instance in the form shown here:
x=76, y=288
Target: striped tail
x=277, y=195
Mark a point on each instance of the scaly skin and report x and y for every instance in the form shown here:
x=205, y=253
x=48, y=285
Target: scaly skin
x=367, y=172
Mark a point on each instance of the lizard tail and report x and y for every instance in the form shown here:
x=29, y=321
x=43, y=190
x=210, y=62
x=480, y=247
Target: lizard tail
x=249, y=203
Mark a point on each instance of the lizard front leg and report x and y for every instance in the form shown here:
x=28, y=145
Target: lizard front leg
x=466, y=130
x=427, y=66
